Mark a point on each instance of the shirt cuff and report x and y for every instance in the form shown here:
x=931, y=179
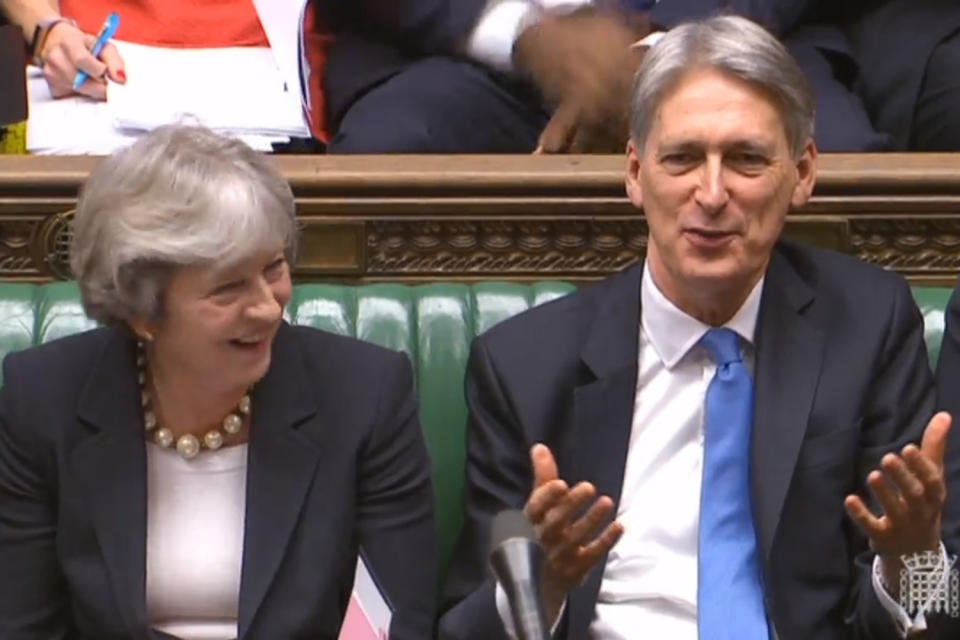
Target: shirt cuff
x=503, y=609
x=901, y=617
x=502, y=21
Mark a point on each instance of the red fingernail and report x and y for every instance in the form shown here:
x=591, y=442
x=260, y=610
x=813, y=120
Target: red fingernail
x=122, y=75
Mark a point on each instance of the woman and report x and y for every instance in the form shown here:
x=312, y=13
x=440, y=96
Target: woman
x=197, y=466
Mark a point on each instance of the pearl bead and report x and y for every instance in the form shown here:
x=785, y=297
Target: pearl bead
x=144, y=398
x=149, y=420
x=232, y=423
x=244, y=405
x=163, y=437
x=213, y=440
x=188, y=446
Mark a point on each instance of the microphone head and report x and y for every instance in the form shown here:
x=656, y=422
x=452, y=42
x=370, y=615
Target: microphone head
x=507, y=525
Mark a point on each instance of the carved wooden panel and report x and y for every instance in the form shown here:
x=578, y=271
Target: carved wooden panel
x=434, y=218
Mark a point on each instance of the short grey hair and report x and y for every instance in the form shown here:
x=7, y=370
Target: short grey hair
x=729, y=44
x=180, y=196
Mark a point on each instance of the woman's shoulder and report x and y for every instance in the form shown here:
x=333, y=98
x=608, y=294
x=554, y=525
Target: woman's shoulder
x=68, y=357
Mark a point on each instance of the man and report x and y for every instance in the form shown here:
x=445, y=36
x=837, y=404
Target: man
x=735, y=401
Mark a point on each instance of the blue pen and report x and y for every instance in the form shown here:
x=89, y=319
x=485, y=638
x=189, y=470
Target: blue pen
x=106, y=32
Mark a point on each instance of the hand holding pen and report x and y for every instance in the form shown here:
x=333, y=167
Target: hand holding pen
x=67, y=51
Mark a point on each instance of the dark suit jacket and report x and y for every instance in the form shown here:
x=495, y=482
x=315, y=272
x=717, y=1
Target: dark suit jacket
x=336, y=458
x=841, y=378
x=948, y=398
x=376, y=39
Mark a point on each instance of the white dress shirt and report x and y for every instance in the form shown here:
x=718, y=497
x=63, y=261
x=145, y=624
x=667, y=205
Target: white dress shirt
x=650, y=578
x=195, y=512
x=502, y=21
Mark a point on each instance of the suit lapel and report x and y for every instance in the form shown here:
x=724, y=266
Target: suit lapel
x=789, y=355
x=111, y=465
x=281, y=465
x=603, y=413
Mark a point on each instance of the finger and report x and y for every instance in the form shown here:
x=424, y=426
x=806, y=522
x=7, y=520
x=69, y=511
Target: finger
x=544, y=466
x=935, y=438
x=927, y=472
x=557, y=520
x=907, y=484
x=869, y=524
x=59, y=73
x=93, y=88
x=543, y=498
x=80, y=57
x=592, y=552
x=886, y=495
x=556, y=136
x=115, y=68
x=590, y=524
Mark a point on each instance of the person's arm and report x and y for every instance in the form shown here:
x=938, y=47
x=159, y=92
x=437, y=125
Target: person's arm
x=395, y=521
x=499, y=476
x=63, y=49
x=26, y=14
x=33, y=597
x=905, y=503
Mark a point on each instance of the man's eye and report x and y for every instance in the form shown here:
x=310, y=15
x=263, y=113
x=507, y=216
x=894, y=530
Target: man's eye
x=678, y=159
x=748, y=158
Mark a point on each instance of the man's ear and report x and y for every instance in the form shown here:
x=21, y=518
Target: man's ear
x=806, y=175
x=634, y=189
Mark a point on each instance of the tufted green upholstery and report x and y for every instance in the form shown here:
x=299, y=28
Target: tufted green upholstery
x=433, y=323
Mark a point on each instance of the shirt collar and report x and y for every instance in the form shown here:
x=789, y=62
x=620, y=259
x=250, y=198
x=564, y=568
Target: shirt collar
x=673, y=333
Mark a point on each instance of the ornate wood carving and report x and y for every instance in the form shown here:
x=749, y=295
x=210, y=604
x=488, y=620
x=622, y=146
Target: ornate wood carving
x=515, y=217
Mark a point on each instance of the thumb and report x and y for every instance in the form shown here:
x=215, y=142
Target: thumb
x=544, y=466
x=935, y=438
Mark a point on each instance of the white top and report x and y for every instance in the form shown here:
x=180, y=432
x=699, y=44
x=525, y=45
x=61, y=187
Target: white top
x=650, y=579
x=195, y=511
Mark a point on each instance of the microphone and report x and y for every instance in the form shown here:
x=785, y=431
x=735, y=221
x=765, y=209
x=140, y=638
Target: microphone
x=515, y=559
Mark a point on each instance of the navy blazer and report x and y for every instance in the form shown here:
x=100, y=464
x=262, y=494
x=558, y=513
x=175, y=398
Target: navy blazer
x=336, y=458
x=841, y=375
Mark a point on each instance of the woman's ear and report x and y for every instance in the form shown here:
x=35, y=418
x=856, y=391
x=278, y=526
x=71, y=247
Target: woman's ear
x=142, y=328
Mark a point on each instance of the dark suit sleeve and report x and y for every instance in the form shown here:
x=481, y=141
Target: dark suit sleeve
x=499, y=476
x=424, y=26
x=33, y=599
x=896, y=412
x=395, y=506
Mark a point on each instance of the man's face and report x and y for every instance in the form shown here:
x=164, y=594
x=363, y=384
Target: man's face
x=715, y=179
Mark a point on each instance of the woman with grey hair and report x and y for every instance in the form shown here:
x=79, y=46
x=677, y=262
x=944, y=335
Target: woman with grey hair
x=196, y=467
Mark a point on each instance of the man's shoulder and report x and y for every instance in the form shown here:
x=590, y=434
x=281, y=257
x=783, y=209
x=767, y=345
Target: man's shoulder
x=841, y=275
x=565, y=318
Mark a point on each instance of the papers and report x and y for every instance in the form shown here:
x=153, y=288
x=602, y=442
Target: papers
x=234, y=90
x=368, y=613
x=282, y=21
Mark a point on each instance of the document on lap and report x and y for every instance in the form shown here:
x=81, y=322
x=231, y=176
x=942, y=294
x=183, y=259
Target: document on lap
x=368, y=613
x=234, y=90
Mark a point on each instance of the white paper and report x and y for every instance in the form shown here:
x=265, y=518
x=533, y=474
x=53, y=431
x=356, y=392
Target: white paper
x=235, y=89
x=282, y=21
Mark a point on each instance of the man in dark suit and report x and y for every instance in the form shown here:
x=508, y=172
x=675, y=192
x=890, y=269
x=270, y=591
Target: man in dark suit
x=755, y=414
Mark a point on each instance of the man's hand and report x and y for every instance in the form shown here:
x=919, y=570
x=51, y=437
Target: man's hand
x=66, y=49
x=572, y=543
x=911, y=491
x=583, y=63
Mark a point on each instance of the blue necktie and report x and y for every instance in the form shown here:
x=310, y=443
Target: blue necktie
x=729, y=590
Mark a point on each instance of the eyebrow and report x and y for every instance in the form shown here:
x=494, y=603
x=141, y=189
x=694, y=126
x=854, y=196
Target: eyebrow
x=693, y=146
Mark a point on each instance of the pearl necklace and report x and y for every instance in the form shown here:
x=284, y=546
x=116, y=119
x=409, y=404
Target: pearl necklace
x=187, y=445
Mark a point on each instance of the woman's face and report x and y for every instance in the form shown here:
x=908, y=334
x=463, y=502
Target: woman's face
x=218, y=324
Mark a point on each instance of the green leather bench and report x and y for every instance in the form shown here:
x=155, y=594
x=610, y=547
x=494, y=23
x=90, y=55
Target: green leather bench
x=434, y=324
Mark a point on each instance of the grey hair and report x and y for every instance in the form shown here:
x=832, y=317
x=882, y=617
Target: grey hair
x=732, y=45
x=179, y=196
